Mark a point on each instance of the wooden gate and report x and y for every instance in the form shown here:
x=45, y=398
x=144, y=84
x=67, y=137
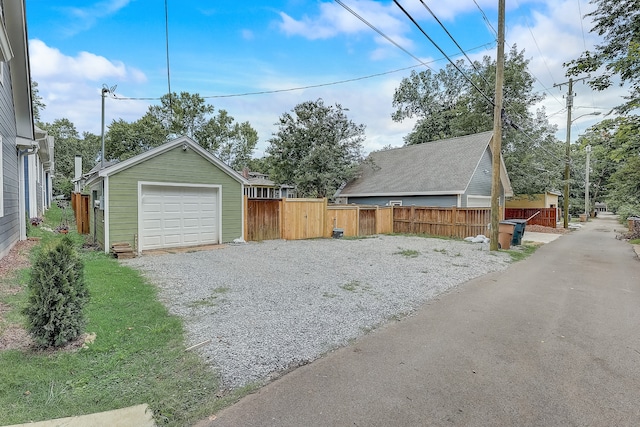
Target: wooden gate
x=367, y=222
x=263, y=219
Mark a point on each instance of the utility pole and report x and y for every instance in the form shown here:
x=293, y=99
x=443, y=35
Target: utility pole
x=567, y=158
x=496, y=145
x=586, y=182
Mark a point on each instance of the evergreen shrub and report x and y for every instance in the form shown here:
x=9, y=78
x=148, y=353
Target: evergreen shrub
x=57, y=296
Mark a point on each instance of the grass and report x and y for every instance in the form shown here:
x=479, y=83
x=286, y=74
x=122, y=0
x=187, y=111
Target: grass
x=212, y=299
x=409, y=253
x=353, y=286
x=426, y=236
x=635, y=241
x=138, y=356
x=522, y=252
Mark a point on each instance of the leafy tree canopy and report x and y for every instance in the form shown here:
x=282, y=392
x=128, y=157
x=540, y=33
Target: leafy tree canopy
x=447, y=105
x=317, y=148
x=615, y=165
x=184, y=114
x=68, y=144
x=618, y=22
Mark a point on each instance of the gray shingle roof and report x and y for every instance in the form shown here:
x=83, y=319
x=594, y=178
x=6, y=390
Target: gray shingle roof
x=438, y=167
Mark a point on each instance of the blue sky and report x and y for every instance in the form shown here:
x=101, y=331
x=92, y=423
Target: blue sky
x=222, y=47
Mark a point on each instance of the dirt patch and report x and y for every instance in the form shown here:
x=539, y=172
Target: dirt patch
x=16, y=259
x=543, y=229
x=13, y=336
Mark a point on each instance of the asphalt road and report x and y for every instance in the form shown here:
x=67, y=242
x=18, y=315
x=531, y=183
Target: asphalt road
x=553, y=341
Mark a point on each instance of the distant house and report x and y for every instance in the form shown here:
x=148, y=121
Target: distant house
x=548, y=199
x=174, y=195
x=259, y=186
x=26, y=154
x=448, y=172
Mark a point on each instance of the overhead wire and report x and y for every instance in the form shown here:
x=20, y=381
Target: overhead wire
x=367, y=23
x=486, y=20
x=443, y=53
x=292, y=89
x=507, y=104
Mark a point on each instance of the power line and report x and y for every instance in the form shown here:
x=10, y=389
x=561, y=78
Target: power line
x=454, y=41
x=489, y=100
x=354, y=13
x=486, y=20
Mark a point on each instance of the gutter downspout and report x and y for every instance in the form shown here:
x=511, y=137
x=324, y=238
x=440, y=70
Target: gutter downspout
x=22, y=213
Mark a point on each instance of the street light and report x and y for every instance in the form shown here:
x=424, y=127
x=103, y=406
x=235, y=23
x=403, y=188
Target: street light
x=105, y=91
x=567, y=159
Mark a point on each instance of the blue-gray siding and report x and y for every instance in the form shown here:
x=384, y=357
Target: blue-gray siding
x=480, y=184
x=440, y=201
x=10, y=220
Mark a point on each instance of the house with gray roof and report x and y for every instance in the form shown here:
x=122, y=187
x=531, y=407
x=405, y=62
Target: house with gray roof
x=448, y=172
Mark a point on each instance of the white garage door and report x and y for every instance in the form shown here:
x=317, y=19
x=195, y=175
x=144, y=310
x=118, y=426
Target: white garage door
x=173, y=216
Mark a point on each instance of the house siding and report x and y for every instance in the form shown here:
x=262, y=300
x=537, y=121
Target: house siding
x=440, y=201
x=96, y=215
x=480, y=184
x=9, y=220
x=173, y=166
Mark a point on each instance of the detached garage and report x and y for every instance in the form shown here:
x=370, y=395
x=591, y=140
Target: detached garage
x=175, y=195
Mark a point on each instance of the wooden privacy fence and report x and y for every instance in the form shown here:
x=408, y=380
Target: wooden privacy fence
x=80, y=205
x=543, y=216
x=295, y=219
x=438, y=221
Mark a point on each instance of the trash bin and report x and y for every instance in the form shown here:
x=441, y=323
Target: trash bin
x=521, y=224
x=505, y=234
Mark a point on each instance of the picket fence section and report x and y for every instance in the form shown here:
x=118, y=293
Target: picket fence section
x=295, y=219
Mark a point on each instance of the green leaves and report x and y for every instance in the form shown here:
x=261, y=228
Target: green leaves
x=57, y=296
x=316, y=148
x=184, y=114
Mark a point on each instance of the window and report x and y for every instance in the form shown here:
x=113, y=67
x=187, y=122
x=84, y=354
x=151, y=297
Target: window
x=395, y=202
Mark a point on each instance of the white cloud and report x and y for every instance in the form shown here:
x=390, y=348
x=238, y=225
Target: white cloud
x=83, y=18
x=70, y=86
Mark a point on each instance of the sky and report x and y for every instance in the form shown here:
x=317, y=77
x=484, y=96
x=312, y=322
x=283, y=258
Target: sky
x=223, y=49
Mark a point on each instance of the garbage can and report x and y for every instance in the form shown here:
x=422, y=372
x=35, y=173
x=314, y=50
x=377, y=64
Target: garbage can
x=521, y=224
x=505, y=234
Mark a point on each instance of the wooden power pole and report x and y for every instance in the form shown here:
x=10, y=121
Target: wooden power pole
x=496, y=145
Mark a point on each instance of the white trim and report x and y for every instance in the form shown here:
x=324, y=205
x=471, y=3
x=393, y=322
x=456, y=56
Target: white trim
x=410, y=193
x=459, y=201
x=106, y=214
x=478, y=197
x=178, y=184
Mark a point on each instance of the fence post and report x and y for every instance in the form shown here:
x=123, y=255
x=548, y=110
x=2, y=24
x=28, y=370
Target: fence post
x=454, y=213
x=413, y=219
x=281, y=219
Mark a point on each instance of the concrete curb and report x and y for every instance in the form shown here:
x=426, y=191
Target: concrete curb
x=133, y=416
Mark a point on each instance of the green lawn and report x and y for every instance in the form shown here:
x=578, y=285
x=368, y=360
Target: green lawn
x=138, y=356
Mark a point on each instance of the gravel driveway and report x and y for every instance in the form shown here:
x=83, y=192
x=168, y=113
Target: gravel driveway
x=271, y=306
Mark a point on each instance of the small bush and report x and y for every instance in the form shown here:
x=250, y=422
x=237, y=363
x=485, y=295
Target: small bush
x=57, y=296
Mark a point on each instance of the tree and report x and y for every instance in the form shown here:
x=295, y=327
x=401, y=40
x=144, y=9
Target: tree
x=185, y=114
x=615, y=175
x=617, y=21
x=316, y=148
x=124, y=140
x=57, y=296
x=68, y=144
x=37, y=104
x=447, y=105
